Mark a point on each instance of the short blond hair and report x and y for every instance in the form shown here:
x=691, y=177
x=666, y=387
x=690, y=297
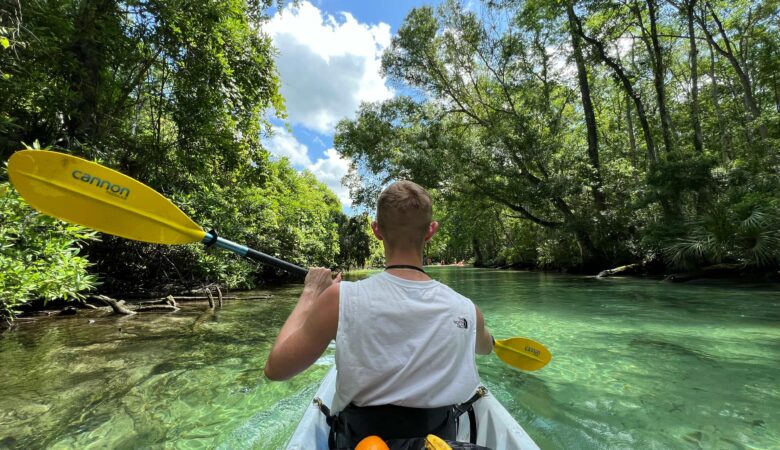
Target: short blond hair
x=404, y=213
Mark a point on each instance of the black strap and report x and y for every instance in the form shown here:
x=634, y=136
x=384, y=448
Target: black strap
x=468, y=407
x=405, y=266
x=330, y=419
x=465, y=406
x=472, y=426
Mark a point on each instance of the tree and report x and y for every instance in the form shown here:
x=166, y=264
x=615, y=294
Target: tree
x=355, y=241
x=543, y=152
x=176, y=94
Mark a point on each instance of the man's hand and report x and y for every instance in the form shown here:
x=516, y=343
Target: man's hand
x=317, y=280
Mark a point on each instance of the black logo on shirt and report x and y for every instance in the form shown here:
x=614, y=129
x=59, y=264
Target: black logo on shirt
x=461, y=323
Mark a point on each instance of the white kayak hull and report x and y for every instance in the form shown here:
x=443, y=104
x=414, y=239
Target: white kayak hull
x=496, y=428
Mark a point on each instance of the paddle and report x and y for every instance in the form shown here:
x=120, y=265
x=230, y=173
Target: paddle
x=86, y=193
x=522, y=353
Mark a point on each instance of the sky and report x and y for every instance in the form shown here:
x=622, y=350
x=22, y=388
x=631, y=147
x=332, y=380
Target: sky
x=329, y=59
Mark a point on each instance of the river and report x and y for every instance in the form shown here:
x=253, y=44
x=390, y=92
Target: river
x=637, y=364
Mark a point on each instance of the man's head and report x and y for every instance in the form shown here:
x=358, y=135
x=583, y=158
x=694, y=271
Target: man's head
x=404, y=216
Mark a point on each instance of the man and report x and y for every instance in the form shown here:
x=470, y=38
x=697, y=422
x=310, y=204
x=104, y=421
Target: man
x=405, y=344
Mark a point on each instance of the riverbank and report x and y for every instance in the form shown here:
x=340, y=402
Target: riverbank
x=100, y=306
x=713, y=275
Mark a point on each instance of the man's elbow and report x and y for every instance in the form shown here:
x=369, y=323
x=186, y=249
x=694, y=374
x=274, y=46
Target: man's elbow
x=274, y=375
x=484, y=350
x=484, y=344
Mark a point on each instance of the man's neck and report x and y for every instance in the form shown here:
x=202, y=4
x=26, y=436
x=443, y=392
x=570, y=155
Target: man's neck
x=406, y=258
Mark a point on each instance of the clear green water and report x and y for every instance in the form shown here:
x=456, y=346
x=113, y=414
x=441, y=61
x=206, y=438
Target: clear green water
x=637, y=365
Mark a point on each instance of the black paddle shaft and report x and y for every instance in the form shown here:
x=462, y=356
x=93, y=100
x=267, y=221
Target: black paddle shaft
x=276, y=262
x=212, y=239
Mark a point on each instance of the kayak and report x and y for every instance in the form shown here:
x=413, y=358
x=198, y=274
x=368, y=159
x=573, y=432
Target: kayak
x=496, y=428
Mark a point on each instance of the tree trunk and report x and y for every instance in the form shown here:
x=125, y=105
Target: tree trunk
x=631, y=136
x=587, y=106
x=620, y=73
x=85, y=78
x=693, y=56
x=723, y=133
x=750, y=103
x=478, y=259
x=658, y=79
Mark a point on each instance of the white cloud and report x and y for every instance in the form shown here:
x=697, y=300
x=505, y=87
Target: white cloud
x=329, y=169
x=327, y=66
x=284, y=144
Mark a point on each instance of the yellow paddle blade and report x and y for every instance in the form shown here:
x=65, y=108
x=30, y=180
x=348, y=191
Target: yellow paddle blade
x=82, y=192
x=523, y=353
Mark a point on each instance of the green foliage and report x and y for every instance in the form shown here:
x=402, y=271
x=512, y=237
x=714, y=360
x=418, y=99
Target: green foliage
x=152, y=87
x=495, y=125
x=39, y=256
x=743, y=227
x=725, y=235
x=292, y=216
x=176, y=94
x=356, y=242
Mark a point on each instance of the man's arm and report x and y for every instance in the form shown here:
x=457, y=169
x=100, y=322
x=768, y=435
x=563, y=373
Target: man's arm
x=484, y=339
x=309, y=329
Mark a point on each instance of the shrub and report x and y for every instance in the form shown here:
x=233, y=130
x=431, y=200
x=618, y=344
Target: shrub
x=39, y=256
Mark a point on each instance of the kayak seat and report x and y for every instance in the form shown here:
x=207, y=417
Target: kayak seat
x=405, y=427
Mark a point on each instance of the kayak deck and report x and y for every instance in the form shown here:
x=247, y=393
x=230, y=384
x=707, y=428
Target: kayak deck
x=496, y=428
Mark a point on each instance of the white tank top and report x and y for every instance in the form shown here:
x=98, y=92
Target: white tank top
x=403, y=342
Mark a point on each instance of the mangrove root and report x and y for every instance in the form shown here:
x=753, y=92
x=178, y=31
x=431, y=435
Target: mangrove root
x=211, y=299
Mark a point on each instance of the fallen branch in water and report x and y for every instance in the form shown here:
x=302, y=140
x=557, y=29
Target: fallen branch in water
x=629, y=269
x=117, y=306
x=224, y=297
x=120, y=307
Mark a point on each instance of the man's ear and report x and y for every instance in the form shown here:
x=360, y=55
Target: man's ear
x=432, y=229
x=375, y=229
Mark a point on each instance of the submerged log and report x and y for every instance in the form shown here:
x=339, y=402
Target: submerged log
x=156, y=308
x=224, y=297
x=681, y=277
x=167, y=301
x=257, y=297
x=68, y=311
x=207, y=315
x=197, y=297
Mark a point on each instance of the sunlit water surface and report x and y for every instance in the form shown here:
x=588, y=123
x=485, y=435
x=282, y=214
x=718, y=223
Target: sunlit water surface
x=637, y=364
